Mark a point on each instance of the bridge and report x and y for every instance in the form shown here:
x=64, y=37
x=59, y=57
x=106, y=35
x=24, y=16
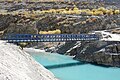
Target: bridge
x=50, y=37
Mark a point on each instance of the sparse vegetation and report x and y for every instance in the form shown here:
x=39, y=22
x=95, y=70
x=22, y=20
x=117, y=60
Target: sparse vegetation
x=23, y=44
x=57, y=31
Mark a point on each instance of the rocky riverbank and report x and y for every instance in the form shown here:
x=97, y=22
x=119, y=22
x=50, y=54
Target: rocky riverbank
x=103, y=53
x=101, y=58
x=30, y=22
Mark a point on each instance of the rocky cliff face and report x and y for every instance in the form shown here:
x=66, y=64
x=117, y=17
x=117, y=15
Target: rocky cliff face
x=78, y=24
x=68, y=24
x=17, y=24
x=101, y=53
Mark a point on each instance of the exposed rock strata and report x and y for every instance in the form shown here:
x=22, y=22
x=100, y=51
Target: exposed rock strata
x=100, y=53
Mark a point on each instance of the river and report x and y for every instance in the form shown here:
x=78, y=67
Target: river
x=65, y=68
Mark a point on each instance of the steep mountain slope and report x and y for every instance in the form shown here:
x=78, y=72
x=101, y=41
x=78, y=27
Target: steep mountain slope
x=16, y=64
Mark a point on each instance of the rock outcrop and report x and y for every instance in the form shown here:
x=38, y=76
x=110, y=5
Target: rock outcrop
x=68, y=24
x=101, y=53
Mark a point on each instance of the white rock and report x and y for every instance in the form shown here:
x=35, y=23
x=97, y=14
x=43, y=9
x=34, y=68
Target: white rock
x=16, y=64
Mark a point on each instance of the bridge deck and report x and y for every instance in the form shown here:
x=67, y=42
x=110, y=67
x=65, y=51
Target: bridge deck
x=50, y=37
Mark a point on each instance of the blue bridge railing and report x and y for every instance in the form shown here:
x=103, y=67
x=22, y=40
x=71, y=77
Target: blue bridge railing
x=50, y=37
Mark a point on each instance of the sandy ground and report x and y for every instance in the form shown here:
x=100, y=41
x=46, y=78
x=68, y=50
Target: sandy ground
x=16, y=64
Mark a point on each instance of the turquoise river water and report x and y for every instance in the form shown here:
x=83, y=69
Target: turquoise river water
x=65, y=68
